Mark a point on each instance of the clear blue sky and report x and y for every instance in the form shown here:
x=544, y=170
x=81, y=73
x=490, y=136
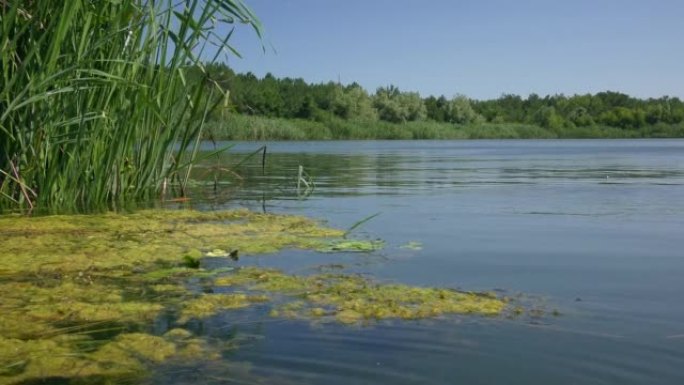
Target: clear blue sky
x=480, y=48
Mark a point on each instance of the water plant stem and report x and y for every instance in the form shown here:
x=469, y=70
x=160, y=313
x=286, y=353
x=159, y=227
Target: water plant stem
x=97, y=104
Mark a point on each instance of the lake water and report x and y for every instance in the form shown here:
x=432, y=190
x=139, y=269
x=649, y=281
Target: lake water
x=590, y=229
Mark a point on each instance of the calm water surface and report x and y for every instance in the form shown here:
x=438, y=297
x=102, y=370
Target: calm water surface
x=591, y=228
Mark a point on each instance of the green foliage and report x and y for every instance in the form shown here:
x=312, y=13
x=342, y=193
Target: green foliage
x=548, y=118
x=460, y=111
x=580, y=117
x=457, y=110
x=245, y=127
x=240, y=127
x=560, y=112
x=353, y=102
x=291, y=109
x=396, y=106
x=98, y=103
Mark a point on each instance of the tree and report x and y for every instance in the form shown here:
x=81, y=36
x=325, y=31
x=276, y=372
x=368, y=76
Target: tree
x=548, y=118
x=580, y=117
x=352, y=102
x=395, y=106
x=460, y=111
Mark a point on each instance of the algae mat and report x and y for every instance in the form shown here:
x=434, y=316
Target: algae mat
x=80, y=293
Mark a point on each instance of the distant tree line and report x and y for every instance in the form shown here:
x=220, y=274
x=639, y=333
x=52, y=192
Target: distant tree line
x=294, y=98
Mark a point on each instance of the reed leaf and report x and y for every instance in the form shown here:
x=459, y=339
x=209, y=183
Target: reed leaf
x=95, y=107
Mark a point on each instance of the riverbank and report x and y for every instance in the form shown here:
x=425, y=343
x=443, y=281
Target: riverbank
x=245, y=127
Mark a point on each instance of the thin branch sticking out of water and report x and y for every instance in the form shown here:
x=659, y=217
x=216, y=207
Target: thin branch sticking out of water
x=305, y=183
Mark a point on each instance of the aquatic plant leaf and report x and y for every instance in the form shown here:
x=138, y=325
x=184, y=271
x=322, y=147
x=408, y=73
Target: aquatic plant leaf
x=351, y=246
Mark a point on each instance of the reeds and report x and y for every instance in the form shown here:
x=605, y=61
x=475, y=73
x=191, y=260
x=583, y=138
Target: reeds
x=95, y=103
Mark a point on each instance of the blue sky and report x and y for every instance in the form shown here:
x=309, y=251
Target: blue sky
x=479, y=48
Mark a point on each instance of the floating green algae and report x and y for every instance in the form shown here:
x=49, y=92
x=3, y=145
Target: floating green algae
x=92, y=243
x=347, y=245
x=35, y=309
x=61, y=276
x=124, y=358
x=209, y=304
x=351, y=298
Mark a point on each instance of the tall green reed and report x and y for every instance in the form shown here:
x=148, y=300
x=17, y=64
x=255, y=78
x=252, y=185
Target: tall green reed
x=96, y=106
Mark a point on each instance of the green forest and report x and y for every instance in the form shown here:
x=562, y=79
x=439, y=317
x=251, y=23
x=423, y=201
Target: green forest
x=286, y=108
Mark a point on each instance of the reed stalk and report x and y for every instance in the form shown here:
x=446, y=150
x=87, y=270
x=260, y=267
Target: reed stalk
x=96, y=103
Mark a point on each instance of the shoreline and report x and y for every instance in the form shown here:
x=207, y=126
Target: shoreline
x=260, y=128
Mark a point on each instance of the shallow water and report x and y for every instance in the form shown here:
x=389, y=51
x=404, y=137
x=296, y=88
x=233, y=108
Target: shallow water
x=591, y=229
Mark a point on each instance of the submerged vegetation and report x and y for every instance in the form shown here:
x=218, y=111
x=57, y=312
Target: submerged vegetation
x=80, y=293
x=95, y=101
